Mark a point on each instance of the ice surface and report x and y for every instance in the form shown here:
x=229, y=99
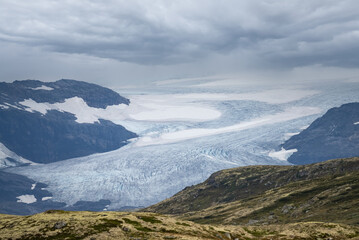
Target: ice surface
x=289, y=135
x=26, y=199
x=356, y=123
x=286, y=115
x=276, y=96
x=283, y=154
x=33, y=186
x=141, y=108
x=173, y=152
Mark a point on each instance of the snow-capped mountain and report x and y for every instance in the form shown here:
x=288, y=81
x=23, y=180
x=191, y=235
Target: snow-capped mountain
x=334, y=135
x=185, y=133
x=47, y=122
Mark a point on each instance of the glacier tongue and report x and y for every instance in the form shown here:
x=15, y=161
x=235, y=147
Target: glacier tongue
x=143, y=174
x=140, y=176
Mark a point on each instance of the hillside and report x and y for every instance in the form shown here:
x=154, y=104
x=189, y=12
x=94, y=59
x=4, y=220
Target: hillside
x=46, y=122
x=334, y=135
x=326, y=191
x=140, y=226
x=317, y=201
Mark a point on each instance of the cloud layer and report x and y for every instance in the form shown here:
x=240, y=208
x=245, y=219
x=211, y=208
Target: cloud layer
x=282, y=33
x=116, y=42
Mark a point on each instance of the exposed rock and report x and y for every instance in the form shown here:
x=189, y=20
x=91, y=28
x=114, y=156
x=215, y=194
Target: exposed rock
x=334, y=135
x=56, y=136
x=287, y=208
x=59, y=225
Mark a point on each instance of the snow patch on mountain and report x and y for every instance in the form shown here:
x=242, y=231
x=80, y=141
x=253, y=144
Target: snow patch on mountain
x=11, y=159
x=4, y=106
x=148, y=110
x=356, y=123
x=290, y=134
x=43, y=87
x=283, y=154
x=46, y=198
x=26, y=199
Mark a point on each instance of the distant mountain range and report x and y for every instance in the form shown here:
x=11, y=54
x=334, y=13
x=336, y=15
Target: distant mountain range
x=35, y=125
x=334, y=135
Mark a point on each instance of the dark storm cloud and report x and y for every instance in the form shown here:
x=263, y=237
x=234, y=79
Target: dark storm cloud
x=284, y=33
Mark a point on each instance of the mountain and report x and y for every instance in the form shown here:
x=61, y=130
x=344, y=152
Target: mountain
x=45, y=122
x=334, y=135
x=326, y=191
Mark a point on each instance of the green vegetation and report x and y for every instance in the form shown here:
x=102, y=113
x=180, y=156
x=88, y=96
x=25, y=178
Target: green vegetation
x=318, y=201
x=257, y=195
x=150, y=219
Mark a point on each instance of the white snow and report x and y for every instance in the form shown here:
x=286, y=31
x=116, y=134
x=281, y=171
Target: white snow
x=288, y=135
x=6, y=153
x=43, y=87
x=13, y=106
x=289, y=114
x=26, y=199
x=304, y=127
x=283, y=154
x=4, y=106
x=46, y=198
x=356, y=123
x=177, y=113
x=34, y=106
x=276, y=96
x=190, y=107
x=33, y=186
x=155, y=108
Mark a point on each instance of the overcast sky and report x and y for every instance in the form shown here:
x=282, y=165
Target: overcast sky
x=132, y=42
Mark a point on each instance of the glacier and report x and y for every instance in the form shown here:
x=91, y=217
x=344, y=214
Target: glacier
x=215, y=128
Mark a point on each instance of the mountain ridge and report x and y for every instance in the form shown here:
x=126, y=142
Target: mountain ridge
x=265, y=194
x=48, y=135
x=333, y=135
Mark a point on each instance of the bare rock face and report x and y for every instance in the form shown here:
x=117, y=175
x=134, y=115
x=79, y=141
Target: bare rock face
x=334, y=135
x=56, y=136
x=59, y=225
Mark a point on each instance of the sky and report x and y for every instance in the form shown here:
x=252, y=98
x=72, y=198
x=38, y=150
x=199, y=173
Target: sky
x=129, y=43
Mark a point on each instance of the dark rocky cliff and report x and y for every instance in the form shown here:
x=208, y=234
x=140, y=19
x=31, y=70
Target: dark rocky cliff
x=334, y=135
x=56, y=135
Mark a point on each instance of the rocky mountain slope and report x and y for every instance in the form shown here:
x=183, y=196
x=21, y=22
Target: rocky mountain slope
x=326, y=191
x=334, y=135
x=140, y=226
x=37, y=121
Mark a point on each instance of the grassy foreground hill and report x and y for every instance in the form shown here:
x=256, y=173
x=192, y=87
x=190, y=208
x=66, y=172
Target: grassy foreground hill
x=121, y=225
x=326, y=191
x=318, y=201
